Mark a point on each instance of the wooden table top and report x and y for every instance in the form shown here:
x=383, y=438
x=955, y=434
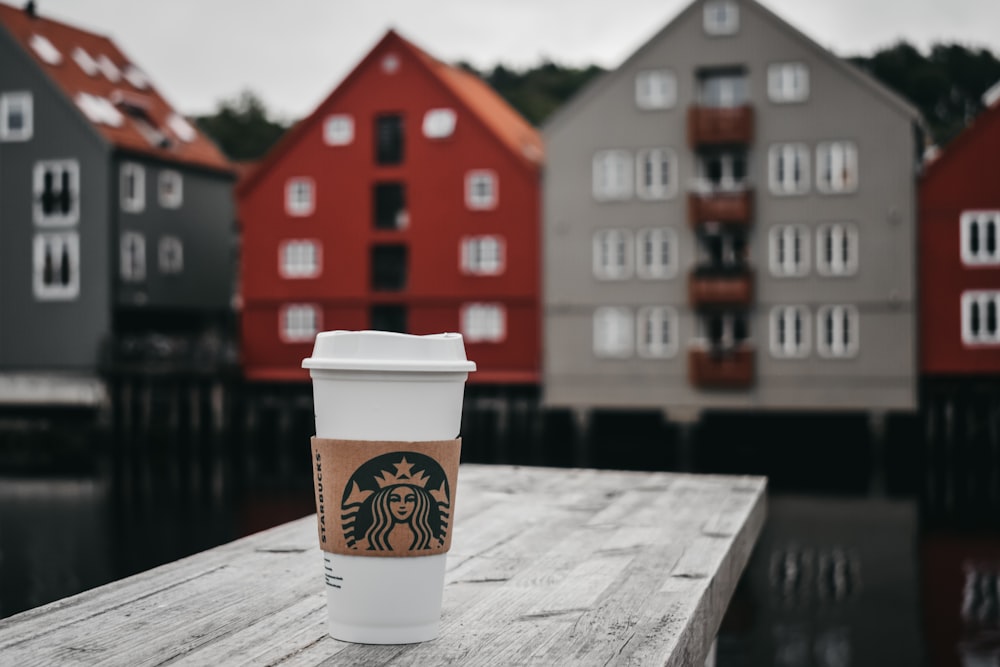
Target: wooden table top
x=548, y=567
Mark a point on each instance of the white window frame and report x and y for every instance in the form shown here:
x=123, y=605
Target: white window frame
x=338, y=129
x=181, y=128
x=58, y=168
x=295, y=320
x=783, y=342
x=484, y=322
x=108, y=68
x=721, y=17
x=778, y=155
x=133, y=200
x=170, y=189
x=981, y=300
x=170, y=255
x=842, y=315
x=655, y=89
x=132, y=257
x=439, y=123
x=71, y=242
x=978, y=223
x=612, y=175
x=840, y=265
x=613, y=332
x=655, y=159
x=482, y=189
x=300, y=196
x=843, y=159
x=482, y=255
x=294, y=257
x=9, y=102
x=136, y=77
x=653, y=265
x=782, y=241
x=99, y=110
x=612, y=254
x=650, y=323
x=85, y=61
x=788, y=82
x=45, y=49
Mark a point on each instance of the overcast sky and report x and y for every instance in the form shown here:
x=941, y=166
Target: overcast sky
x=294, y=52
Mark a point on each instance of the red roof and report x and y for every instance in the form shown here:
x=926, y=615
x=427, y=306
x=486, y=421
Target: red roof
x=113, y=94
x=509, y=127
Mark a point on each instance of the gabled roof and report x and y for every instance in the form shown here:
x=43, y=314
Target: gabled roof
x=865, y=80
x=471, y=92
x=972, y=134
x=113, y=95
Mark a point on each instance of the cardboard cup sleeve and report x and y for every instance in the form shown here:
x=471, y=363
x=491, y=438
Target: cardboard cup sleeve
x=385, y=499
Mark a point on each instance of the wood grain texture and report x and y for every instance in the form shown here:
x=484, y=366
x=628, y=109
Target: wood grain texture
x=547, y=567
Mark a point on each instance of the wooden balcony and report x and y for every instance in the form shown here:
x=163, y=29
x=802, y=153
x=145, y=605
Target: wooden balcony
x=709, y=287
x=709, y=126
x=734, y=208
x=721, y=369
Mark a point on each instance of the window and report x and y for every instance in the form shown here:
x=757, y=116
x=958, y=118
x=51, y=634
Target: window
x=656, y=253
x=136, y=77
x=722, y=330
x=299, y=258
x=132, y=257
x=171, y=189
x=837, y=329
x=338, y=130
x=56, y=262
x=836, y=167
x=613, y=334
x=979, y=318
x=481, y=190
x=388, y=318
x=655, y=89
x=612, y=175
x=789, y=250
x=722, y=88
x=787, y=82
x=389, y=268
x=388, y=139
x=108, y=69
x=299, y=200
x=181, y=128
x=656, y=173
x=85, y=61
x=439, y=123
x=657, y=329
x=133, y=184
x=484, y=323
x=612, y=254
x=57, y=192
x=790, y=332
x=788, y=167
x=99, y=110
x=171, y=255
x=16, y=116
x=45, y=50
x=722, y=171
x=837, y=249
x=978, y=232
x=722, y=17
x=300, y=322
x=390, y=63
x=482, y=255
x=390, y=206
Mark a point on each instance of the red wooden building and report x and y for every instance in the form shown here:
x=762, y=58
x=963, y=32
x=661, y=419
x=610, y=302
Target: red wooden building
x=407, y=201
x=960, y=254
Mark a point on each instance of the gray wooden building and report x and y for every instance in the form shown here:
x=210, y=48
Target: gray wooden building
x=116, y=213
x=729, y=222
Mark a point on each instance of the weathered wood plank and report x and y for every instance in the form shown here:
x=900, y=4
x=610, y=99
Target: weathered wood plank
x=547, y=567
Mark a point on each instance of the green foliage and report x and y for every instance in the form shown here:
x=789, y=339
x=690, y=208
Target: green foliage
x=241, y=127
x=946, y=85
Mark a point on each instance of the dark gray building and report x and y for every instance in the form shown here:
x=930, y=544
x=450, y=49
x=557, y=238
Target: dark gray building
x=116, y=214
x=729, y=222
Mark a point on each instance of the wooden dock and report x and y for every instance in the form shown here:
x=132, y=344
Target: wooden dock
x=547, y=567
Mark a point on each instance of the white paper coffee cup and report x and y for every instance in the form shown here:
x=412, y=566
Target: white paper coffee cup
x=386, y=387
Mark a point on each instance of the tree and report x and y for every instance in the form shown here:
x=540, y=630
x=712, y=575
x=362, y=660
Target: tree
x=241, y=127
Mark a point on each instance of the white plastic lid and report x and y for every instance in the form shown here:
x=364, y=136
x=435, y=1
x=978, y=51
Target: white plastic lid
x=387, y=351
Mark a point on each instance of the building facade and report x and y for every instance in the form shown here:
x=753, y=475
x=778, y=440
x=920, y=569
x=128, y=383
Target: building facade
x=407, y=201
x=116, y=214
x=730, y=222
x=960, y=253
